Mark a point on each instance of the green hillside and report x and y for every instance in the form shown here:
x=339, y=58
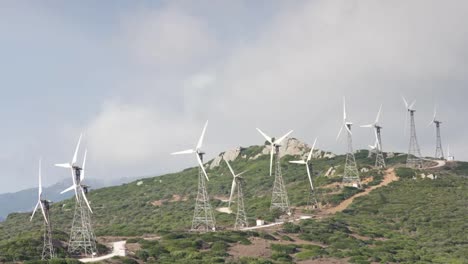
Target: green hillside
x=408, y=221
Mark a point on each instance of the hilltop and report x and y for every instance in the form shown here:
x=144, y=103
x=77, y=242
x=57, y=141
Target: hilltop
x=399, y=222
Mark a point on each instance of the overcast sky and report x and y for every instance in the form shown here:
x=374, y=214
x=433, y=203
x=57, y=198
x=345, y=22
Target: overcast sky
x=141, y=77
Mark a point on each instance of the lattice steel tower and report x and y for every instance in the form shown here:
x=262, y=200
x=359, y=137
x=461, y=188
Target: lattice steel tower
x=351, y=173
x=48, y=251
x=379, y=159
x=203, y=218
x=439, y=154
x=82, y=239
x=414, y=153
x=241, y=216
x=377, y=148
x=279, y=198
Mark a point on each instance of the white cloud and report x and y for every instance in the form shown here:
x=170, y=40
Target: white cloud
x=168, y=36
x=292, y=75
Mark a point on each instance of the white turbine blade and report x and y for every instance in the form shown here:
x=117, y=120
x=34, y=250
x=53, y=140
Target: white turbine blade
x=64, y=165
x=200, y=141
x=312, y=150
x=272, y=152
x=430, y=123
x=35, y=209
x=406, y=102
x=233, y=188
x=188, y=151
x=339, y=133
x=67, y=190
x=86, y=200
x=265, y=136
x=370, y=125
x=40, y=179
x=412, y=105
x=278, y=141
x=75, y=156
x=82, y=175
x=298, y=162
x=201, y=166
x=378, y=115
x=377, y=142
x=43, y=212
x=74, y=183
x=230, y=168
x=435, y=112
x=371, y=147
x=310, y=177
x=344, y=109
x=240, y=174
x=349, y=130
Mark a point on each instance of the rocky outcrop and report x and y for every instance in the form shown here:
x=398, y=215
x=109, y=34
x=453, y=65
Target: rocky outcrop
x=290, y=146
x=229, y=155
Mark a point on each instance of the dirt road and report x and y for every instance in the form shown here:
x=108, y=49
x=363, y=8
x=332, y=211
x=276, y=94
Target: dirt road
x=390, y=176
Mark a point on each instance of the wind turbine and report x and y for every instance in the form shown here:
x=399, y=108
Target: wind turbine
x=414, y=152
x=74, y=169
x=237, y=181
x=48, y=248
x=351, y=173
x=439, y=153
x=274, y=144
x=82, y=238
x=307, y=163
x=78, y=174
x=346, y=123
x=377, y=148
x=203, y=218
x=199, y=153
x=279, y=198
x=410, y=110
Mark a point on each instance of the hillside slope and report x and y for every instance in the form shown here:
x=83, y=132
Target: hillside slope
x=164, y=205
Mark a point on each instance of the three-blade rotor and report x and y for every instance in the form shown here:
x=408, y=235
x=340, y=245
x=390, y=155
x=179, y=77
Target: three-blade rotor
x=76, y=186
x=346, y=124
x=39, y=200
x=197, y=151
x=434, y=118
x=273, y=145
x=306, y=162
x=409, y=109
x=375, y=126
x=235, y=178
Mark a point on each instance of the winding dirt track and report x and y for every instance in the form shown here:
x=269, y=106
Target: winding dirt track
x=390, y=176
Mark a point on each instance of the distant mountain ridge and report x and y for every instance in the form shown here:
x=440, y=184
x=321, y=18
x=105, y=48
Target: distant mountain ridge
x=25, y=200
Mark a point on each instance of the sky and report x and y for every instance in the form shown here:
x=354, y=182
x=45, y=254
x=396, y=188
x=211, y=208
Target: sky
x=140, y=78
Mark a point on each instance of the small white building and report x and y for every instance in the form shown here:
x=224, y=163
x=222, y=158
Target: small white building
x=260, y=222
